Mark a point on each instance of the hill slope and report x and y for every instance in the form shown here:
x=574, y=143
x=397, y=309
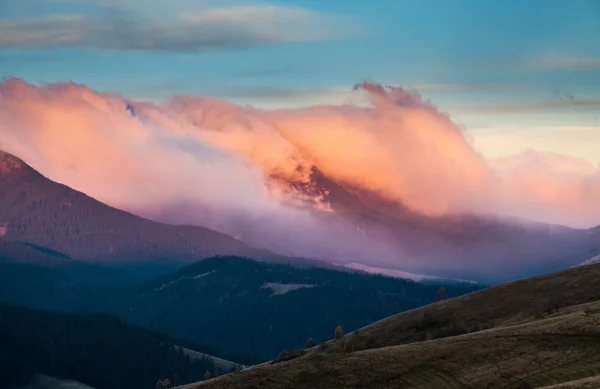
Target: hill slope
x=71, y=286
x=96, y=349
x=45, y=222
x=241, y=306
x=532, y=344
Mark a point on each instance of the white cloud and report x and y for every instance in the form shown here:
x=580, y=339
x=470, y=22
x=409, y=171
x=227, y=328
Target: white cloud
x=184, y=30
x=582, y=141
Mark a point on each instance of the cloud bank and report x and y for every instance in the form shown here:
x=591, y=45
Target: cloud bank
x=205, y=161
x=192, y=29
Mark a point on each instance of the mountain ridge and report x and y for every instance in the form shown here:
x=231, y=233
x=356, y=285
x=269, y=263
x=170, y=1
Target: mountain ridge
x=517, y=247
x=245, y=307
x=37, y=212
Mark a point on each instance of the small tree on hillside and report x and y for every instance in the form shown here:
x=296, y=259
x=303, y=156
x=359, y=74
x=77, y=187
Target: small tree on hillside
x=339, y=332
x=207, y=375
x=441, y=293
x=282, y=354
x=309, y=343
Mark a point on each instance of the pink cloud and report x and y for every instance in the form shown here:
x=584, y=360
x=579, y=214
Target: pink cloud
x=200, y=160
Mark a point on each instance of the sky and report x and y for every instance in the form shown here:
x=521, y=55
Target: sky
x=517, y=75
x=202, y=111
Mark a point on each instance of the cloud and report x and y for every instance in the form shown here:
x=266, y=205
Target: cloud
x=191, y=29
x=550, y=187
x=203, y=160
x=190, y=160
x=575, y=140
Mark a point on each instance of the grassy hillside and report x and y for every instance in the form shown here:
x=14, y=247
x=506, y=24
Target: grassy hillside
x=500, y=305
x=530, y=333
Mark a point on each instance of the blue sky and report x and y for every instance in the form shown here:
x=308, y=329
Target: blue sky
x=513, y=72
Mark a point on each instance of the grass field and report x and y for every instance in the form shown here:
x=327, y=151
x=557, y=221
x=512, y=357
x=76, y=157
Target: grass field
x=531, y=333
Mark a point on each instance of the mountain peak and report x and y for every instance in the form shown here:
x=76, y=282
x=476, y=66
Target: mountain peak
x=9, y=162
x=14, y=170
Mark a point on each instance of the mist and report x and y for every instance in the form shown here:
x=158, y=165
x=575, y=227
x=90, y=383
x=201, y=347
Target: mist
x=205, y=161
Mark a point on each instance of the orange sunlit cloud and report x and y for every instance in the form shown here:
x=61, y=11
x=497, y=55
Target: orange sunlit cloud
x=219, y=155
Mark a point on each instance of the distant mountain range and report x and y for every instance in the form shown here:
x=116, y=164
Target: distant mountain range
x=45, y=222
x=463, y=246
x=62, y=250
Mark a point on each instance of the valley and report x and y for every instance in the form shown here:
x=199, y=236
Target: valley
x=532, y=333
x=219, y=303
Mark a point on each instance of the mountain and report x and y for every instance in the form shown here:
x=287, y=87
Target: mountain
x=95, y=349
x=45, y=222
x=243, y=307
x=72, y=286
x=530, y=333
x=488, y=248
x=236, y=308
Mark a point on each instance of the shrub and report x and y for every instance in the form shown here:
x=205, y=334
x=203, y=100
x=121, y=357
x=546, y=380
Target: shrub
x=282, y=354
x=285, y=356
x=339, y=332
x=309, y=343
x=441, y=293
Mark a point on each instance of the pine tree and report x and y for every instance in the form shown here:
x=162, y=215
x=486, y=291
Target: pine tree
x=441, y=293
x=309, y=343
x=282, y=354
x=339, y=332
